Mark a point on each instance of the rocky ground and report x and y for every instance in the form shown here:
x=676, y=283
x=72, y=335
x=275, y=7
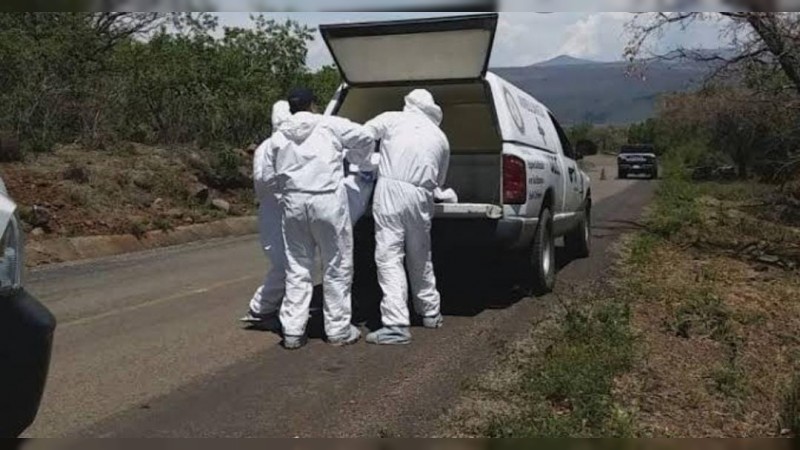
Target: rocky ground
x=131, y=189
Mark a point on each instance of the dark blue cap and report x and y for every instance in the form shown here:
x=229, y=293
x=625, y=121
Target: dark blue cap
x=301, y=99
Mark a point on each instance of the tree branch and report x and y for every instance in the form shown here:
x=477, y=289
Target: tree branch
x=761, y=38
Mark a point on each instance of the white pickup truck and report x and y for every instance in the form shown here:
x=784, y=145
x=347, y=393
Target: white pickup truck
x=512, y=166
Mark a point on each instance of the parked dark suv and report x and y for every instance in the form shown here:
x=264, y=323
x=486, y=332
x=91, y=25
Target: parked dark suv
x=26, y=331
x=637, y=159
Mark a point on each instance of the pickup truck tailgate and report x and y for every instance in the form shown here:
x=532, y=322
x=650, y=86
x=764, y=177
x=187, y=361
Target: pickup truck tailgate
x=468, y=211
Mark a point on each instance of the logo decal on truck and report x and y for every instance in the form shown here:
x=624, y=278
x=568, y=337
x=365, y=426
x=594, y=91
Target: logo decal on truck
x=536, y=165
x=536, y=110
x=541, y=131
x=532, y=108
x=513, y=109
x=554, y=165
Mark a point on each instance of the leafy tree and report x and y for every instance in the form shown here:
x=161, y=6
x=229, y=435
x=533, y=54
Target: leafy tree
x=647, y=132
x=752, y=128
x=51, y=66
x=324, y=83
x=580, y=132
x=146, y=77
x=191, y=86
x=586, y=147
x=582, y=136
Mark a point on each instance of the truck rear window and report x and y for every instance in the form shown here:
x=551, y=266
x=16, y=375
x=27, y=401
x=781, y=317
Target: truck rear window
x=628, y=149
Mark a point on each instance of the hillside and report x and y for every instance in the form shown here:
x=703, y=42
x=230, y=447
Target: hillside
x=564, y=60
x=578, y=90
x=130, y=189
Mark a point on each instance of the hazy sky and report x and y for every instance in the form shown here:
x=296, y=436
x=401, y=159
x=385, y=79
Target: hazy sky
x=523, y=37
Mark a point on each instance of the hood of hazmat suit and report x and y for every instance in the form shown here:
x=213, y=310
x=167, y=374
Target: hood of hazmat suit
x=421, y=101
x=280, y=114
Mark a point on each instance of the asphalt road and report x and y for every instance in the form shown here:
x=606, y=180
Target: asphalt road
x=149, y=344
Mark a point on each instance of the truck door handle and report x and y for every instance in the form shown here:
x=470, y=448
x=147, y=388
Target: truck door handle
x=572, y=174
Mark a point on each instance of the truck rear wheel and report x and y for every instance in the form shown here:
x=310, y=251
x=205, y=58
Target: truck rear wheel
x=579, y=240
x=543, y=255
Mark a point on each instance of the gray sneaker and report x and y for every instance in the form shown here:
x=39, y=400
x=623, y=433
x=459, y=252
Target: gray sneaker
x=390, y=336
x=253, y=318
x=433, y=322
x=351, y=336
x=294, y=342
x=267, y=322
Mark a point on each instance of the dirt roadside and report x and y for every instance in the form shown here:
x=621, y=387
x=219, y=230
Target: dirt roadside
x=63, y=250
x=134, y=197
x=718, y=314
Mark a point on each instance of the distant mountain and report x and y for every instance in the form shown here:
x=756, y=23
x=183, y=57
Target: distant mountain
x=603, y=93
x=564, y=60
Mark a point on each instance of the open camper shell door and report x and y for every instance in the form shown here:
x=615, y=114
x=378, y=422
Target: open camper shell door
x=423, y=51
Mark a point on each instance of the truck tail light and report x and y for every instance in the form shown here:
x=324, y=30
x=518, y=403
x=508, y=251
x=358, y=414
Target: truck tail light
x=515, y=186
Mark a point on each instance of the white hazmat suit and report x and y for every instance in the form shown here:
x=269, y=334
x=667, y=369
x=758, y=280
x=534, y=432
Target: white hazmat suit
x=267, y=299
x=414, y=160
x=309, y=164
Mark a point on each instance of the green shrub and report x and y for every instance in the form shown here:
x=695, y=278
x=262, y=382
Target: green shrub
x=99, y=82
x=705, y=314
x=642, y=249
x=730, y=380
x=137, y=228
x=163, y=224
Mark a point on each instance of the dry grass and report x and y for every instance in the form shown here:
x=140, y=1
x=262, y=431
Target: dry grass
x=719, y=327
x=724, y=376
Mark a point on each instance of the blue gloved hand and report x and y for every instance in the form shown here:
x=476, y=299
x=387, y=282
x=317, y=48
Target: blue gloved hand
x=367, y=177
